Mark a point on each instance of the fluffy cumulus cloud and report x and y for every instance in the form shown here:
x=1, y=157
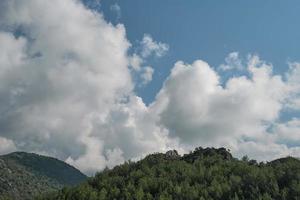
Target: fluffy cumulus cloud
x=127, y=132
x=195, y=107
x=56, y=74
x=67, y=90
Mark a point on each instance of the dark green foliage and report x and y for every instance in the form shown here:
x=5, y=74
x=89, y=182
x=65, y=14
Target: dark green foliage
x=53, y=168
x=25, y=175
x=205, y=174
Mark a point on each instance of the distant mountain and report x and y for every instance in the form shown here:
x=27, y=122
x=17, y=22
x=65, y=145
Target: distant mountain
x=25, y=175
x=204, y=174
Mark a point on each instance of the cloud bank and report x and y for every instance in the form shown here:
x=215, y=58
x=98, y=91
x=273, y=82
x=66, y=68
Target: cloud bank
x=242, y=115
x=67, y=90
x=65, y=68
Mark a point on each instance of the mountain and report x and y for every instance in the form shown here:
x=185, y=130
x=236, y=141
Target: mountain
x=25, y=175
x=205, y=174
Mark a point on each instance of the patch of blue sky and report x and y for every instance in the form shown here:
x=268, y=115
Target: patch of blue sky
x=210, y=30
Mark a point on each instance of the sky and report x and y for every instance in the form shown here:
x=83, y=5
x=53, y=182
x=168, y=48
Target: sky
x=210, y=30
x=96, y=83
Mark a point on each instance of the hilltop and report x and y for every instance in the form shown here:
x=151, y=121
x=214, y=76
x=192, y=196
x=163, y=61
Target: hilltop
x=205, y=174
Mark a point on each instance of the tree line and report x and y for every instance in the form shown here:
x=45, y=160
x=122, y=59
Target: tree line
x=204, y=174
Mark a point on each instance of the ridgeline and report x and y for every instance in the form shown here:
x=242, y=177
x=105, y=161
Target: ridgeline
x=204, y=174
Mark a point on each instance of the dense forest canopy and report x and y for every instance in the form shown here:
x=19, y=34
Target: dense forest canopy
x=205, y=174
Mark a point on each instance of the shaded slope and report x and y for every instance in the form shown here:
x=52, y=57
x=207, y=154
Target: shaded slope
x=25, y=175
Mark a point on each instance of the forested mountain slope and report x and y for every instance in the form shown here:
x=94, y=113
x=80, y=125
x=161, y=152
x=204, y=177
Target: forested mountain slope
x=205, y=174
x=25, y=175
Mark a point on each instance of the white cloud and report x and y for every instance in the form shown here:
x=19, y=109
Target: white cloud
x=198, y=110
x=265, y=151
x=147, y=74
x=197, y=106
x=288, y=133
x=232, y=61
x=11, y=52
x=82, y=70
x=144, y=73
x=293, y=79
x=135, y=62
x=66, y=90
x=6, y=146
x=114, y=157
x=151, y=47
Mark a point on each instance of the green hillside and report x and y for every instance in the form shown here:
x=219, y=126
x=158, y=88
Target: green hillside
x=25, y=175
x=204, y=174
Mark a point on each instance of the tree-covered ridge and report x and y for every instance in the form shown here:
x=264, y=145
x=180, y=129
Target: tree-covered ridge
x=52, y=168
x=25, y=175
x=205, y=174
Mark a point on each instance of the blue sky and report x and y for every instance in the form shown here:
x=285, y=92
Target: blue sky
x=210, y=30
